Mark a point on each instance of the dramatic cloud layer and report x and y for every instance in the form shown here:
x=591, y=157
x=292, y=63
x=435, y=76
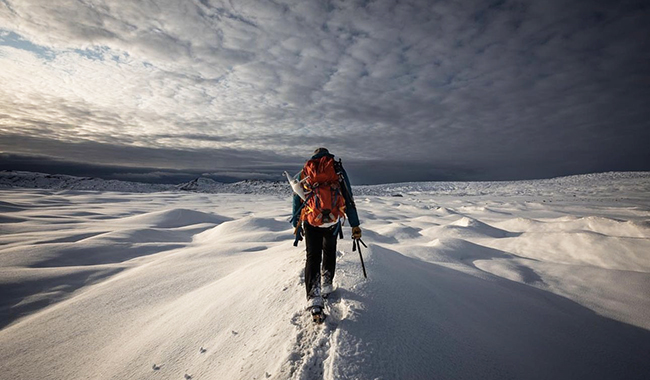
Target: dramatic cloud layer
x=401, y=90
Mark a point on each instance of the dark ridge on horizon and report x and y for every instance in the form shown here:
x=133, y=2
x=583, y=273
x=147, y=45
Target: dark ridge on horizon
x=394, y=172
x=405, y=173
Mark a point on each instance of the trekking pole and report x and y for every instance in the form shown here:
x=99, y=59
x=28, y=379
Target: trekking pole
x=356, y=243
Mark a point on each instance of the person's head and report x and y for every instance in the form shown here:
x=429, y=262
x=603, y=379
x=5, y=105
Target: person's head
x=321, y=150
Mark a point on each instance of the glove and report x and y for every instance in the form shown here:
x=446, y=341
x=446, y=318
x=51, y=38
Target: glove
x=299, y=234
x=356, y=232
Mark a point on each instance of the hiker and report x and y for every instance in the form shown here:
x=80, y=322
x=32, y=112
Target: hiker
x=328, y=199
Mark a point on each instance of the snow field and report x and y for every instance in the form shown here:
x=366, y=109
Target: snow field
x=107, y=285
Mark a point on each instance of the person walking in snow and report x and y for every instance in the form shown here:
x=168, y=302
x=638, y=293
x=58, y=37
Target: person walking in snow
x=327, y=200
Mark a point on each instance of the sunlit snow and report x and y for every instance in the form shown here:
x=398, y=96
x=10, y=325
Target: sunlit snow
x=487, y=280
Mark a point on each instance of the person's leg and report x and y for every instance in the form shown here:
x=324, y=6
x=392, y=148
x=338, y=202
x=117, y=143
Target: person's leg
x=329, y=255
x=314, y=244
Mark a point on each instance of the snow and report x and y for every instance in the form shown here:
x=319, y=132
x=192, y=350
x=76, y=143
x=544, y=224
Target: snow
x=492, y=280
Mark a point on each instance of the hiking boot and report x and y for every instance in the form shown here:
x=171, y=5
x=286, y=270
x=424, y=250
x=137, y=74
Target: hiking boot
x=327, y=287
x=313, y=302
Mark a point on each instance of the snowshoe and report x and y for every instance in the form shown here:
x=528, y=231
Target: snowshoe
x=317, y=314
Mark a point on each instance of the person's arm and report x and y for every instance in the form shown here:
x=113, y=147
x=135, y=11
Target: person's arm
x=297, y=206
x=350, y=206
x=295, y=214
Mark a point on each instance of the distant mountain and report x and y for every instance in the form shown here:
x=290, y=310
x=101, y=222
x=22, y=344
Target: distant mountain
x=201, y=184
x=207, y=185
x=9, y=179
x=21, y=179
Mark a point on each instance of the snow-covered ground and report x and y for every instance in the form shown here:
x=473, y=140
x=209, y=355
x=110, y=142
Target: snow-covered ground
x=492, y=280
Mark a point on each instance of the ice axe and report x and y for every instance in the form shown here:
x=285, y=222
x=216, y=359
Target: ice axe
x=356, y=244
x=296, y=185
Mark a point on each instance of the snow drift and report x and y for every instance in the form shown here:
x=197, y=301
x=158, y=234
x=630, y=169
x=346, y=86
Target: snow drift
x=475, y=280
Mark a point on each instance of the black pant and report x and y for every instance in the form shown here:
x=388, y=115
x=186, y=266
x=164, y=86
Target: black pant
x=321, y=243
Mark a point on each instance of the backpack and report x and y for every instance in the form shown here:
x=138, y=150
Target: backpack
x=324, y=202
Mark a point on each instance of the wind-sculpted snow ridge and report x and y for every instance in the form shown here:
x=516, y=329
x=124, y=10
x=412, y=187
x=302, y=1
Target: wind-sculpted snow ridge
x=634, y=184
x=207, y=185
x=578, y=185
x=193, y=285
x=21, y=179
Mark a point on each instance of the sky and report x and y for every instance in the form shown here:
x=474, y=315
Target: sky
x=164, y=91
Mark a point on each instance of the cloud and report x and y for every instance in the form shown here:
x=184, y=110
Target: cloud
x=475, y=87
